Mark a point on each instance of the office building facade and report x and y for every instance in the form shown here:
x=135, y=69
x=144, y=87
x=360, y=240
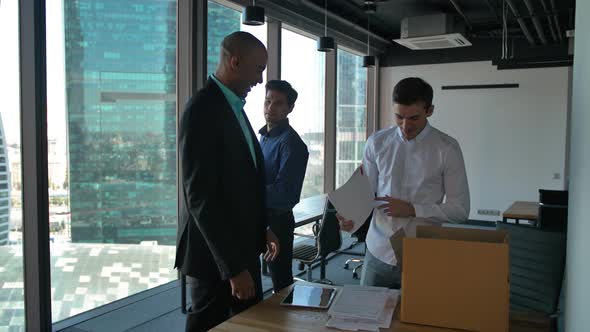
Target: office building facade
x=4, y=188
x=121, y=120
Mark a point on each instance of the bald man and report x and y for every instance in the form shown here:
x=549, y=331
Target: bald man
x=222, y=223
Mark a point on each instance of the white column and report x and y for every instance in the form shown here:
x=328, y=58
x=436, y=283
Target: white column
x=577, y=298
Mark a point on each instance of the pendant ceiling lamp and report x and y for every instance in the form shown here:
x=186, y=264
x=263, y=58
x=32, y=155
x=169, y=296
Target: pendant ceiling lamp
x=253, y=15
x=325, y=43
x=369, y=60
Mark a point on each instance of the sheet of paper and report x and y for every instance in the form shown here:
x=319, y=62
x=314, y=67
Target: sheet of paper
x=352, y=311
x=355, y=199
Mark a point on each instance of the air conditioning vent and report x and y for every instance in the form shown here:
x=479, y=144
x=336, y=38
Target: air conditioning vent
x=434, y=42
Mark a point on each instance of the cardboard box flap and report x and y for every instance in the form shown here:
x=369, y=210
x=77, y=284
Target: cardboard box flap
x=461, y=234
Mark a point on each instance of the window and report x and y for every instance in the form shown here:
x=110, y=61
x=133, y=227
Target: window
x=12, y=308
x=112, y=150
x=351, y=114
x=304, y=67
x=221, y=21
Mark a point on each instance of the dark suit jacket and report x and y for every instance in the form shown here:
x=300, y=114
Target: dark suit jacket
x=222, y=223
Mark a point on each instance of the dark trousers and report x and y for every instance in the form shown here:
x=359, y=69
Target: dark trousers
x=213, y=303
x=282, y=223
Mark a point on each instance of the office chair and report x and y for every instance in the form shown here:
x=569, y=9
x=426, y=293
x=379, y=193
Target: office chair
x=327, y=240
x=552, y=210
x=537, y=261
x=360, y=235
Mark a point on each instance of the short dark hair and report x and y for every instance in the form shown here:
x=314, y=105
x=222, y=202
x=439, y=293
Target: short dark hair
x=283, y=87
x=412, y=90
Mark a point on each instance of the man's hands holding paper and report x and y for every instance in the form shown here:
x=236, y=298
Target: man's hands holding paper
x=345, y=224
x=397, y=208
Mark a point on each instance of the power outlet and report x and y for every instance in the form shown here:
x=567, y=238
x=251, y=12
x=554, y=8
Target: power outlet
x=488, y=212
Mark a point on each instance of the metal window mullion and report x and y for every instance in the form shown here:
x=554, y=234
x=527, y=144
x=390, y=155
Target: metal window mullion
x=191, y=74
x=330, y=121
x=273, y=71
x=33, y=97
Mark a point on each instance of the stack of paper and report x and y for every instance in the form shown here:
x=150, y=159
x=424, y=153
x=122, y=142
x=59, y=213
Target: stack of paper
x=363, y=308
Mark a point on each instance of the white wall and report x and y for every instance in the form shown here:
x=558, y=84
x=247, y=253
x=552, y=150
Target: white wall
x=513, y=140
x=577, y=295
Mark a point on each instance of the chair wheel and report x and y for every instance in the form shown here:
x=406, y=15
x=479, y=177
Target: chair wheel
x=346, y=266
x=355, y=275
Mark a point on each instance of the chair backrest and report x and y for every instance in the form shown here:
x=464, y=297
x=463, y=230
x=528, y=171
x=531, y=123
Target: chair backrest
x=329, y=237
x=552, y=214
x=361, y=233
x=537, y=261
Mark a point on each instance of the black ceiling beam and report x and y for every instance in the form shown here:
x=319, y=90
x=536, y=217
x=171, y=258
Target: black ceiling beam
x=556, y=21
x=536, y=22
x=535, y=62
x=521, y=22
x=344, y=21
x=549, y=20
x=493, y=10
x=460, y=11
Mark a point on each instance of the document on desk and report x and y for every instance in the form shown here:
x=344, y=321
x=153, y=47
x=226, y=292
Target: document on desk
x=363, y=308
x=355, y=199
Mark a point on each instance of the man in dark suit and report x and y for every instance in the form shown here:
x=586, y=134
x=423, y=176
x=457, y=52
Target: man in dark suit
x=223, y=227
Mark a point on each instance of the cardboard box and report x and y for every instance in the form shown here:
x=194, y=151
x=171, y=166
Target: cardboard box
x=456, y=278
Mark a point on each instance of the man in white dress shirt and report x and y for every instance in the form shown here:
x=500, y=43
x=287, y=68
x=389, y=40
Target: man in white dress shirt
x=417, y=172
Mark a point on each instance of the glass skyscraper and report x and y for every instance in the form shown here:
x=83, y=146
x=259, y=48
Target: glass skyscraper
x=221, y=21
x=4, y=188
x=351, y=115
x=121, y=115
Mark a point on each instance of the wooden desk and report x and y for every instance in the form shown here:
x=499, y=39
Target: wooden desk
x=522, y=210
x=269, y=315
x=309, y=210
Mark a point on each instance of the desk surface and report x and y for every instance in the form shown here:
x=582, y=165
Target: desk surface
x=522, y=210
x=309, y=210
x=269, y=315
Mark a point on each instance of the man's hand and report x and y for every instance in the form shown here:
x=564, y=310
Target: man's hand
x=242, y=286
x=345, y=224
x=394, y=207
x=272, y=246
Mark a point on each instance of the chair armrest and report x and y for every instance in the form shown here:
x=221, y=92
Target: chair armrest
x=305, y=235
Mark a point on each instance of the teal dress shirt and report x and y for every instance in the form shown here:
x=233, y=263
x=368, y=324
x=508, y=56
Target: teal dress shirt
x=237, y=105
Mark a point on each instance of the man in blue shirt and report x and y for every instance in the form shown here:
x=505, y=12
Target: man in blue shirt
x=285, y=160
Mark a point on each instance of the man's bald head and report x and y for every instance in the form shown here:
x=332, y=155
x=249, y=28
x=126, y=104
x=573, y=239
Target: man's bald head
x=239, y=43
x=241, y=63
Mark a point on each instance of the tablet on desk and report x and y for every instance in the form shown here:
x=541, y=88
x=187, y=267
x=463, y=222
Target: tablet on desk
x=310, y=296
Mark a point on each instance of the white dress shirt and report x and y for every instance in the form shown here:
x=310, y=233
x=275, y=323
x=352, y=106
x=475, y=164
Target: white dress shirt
x=421, y=171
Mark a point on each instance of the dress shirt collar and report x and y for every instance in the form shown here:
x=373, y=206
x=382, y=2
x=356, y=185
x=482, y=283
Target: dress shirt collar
x=277, y=130
x=236, y=103
x=418, y=138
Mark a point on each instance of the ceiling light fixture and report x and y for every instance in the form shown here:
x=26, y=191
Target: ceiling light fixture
x=368, y=60
x=325, y=43
x=253, y=15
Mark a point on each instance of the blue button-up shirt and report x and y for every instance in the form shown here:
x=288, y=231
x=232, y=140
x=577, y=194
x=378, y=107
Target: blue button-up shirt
x=237, y=105
x=285, y=161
